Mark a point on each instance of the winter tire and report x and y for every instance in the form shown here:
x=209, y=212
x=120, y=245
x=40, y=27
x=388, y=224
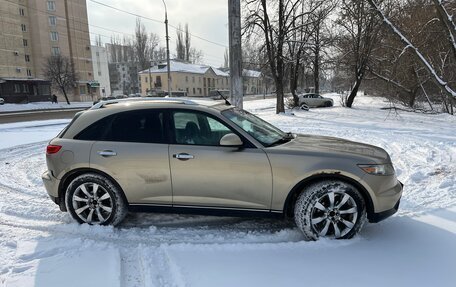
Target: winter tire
x=331, y=209
x=94, y=199
x=304, y=107
x=328, y=104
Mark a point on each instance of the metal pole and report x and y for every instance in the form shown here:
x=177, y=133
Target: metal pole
x=150, y=80
x=167, y=51
x=234, y=23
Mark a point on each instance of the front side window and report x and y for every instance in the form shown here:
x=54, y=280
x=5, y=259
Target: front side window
x=193, y=128
x=262, y=131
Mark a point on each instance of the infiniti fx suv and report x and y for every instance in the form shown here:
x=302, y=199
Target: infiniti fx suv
x=208, y=157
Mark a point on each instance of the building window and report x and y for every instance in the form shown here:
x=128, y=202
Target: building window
x=23, y=28
x=186, y=79
x=24, y=42
x=17, y=88
x=29, y=72
x=51, y=5
x=52, y=21
x=21, y=11
x=99, y=73
x=54, y=36
x=27, y=58
x=82, y=90
x=145, y=79
x=26, y=88
x=55, y=51
x=193, y=80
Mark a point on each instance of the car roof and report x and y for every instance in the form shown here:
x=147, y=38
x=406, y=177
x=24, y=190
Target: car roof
x=154, y=101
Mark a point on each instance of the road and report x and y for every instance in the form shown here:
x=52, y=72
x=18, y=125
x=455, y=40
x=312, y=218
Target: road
x=37, y=115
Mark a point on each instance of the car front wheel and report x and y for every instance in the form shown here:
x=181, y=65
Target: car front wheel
x=331, y=209
x=94, y=199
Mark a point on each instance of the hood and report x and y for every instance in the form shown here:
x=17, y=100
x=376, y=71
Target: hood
x=324, y=144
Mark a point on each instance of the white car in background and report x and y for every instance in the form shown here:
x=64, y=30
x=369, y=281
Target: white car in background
x=2, y=101
x=314, y=100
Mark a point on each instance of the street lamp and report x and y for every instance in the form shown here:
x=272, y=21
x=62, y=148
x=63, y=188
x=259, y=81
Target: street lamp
x=167, y=50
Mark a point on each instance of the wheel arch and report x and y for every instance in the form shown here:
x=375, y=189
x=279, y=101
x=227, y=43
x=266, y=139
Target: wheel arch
x=288, y=209
x=71, y=175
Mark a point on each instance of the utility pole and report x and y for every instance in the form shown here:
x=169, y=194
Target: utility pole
x=167, y=51
x=234, y=24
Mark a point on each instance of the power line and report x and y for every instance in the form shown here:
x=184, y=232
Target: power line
x=157, y=21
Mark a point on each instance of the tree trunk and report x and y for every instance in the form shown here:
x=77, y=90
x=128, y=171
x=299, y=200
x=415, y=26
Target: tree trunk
x=65, y=95
x=280, y=107
x=353, y=93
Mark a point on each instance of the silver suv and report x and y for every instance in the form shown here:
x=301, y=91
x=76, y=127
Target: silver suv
x=314, y=100
x=212, y=158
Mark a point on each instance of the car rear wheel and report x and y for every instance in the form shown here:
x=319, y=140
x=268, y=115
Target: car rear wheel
x=94, y=199
x=331, y=209
x=304, y=107
x=328, y=104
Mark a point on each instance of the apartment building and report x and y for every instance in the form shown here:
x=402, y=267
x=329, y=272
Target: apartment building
x=32, y=31
x=101, y=70
x=186, y=79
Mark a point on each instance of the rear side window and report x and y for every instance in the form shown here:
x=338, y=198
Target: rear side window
x=96, y=131
x=141, y=126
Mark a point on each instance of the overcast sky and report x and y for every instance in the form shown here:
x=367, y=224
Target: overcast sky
x=206, y=18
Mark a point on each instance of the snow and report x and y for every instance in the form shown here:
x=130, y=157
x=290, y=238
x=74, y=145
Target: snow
x=43, y=106
x=41, y=246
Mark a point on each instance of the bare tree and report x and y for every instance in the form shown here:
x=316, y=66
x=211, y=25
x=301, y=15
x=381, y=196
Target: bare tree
x=60, y=72
x=180, y=43
x=187, y=43
x=141, y=45
x=360, y=26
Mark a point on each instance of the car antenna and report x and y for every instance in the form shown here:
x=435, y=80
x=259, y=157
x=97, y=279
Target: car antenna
x=223, y=97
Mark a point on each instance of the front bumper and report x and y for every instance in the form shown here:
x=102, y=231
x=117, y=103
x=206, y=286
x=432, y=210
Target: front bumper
x=379, y=216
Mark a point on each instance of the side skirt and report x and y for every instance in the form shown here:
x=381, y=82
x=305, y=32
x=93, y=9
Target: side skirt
x=213, y=211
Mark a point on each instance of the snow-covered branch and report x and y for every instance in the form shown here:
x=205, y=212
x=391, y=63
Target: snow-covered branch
x=441, y=82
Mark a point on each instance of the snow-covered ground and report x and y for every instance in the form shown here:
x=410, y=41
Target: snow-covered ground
x=40, y=246
x=43, y=106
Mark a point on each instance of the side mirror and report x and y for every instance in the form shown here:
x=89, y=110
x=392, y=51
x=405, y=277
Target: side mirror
x=231, y=140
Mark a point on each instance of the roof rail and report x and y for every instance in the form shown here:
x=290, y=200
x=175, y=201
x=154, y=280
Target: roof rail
x=185, y=101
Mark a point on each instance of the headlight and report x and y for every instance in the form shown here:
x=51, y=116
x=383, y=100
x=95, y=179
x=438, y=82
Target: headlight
x=378, y=169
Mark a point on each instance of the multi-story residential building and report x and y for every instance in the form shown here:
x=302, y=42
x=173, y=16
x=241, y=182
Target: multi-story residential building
x=186, y=79
x=101, y=70
x=124, y=78
x=32, y=31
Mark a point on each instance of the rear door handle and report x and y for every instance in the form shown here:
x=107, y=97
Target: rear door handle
x=107, y=153
x=183, y=156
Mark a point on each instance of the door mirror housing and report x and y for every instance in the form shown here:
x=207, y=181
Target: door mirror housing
x=231, y=140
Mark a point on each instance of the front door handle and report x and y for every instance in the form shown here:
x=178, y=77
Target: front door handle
x=183, y=156
x=107, y=153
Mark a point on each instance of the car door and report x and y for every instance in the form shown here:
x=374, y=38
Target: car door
x=134, y=151
x=205, y=174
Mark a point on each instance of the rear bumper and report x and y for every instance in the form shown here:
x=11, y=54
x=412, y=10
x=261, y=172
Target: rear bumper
x=52, y=186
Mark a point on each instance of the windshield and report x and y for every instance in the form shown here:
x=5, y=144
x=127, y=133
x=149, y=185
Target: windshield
x=262, y=131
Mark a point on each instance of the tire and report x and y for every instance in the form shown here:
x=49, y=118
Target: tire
x=107, y=207
x=316, y=217
x=304, y=107
x=328, y=104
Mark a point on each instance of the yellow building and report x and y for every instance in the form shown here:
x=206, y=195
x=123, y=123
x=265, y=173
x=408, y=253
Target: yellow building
x=33, y=30
x=186, y=79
